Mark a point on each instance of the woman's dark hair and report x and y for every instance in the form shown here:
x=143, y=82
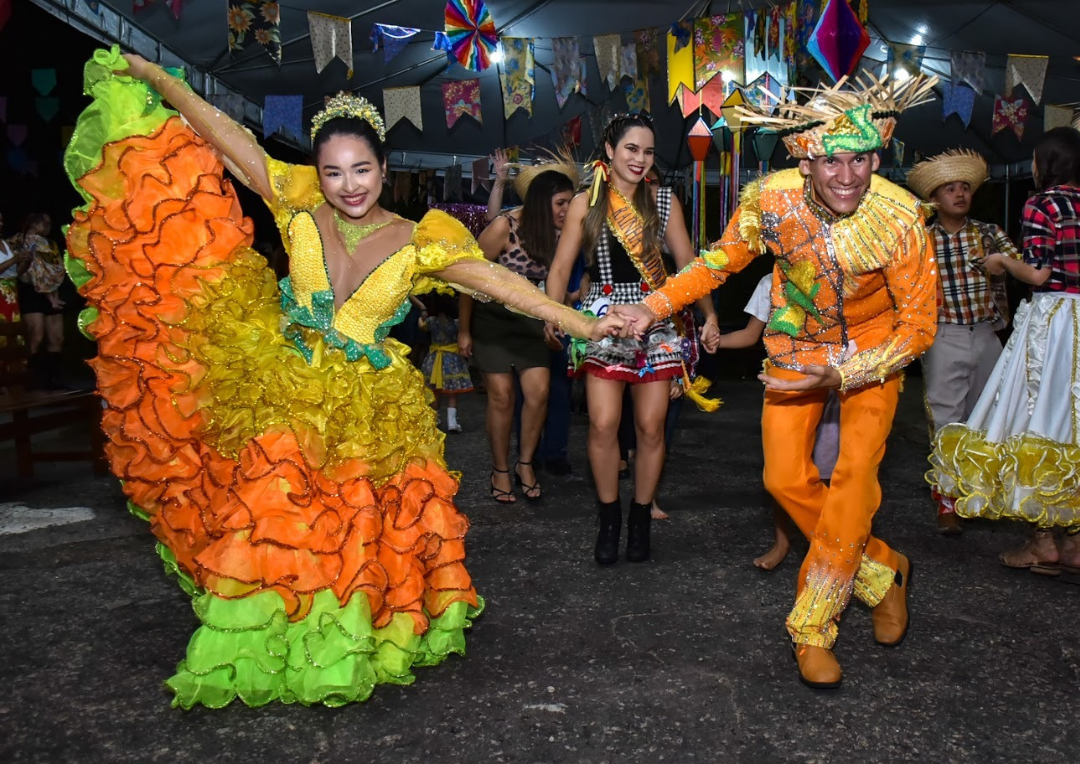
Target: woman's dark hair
x=1057, y=158
x=34, y=219
x=537, y=221
x=596, y=218
x=439, y=304
x=352, y=127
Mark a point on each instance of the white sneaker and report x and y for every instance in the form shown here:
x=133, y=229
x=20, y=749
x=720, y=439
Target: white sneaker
x=451, y=420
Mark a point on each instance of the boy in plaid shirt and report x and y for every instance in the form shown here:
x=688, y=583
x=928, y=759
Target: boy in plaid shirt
x=972, y=305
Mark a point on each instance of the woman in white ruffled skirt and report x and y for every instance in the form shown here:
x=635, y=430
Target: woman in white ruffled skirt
x=1018, y=455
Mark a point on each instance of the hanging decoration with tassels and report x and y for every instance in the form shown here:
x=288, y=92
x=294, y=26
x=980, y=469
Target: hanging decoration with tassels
x=732, y=119
x=699, y=140
x=471, y=31
x=839, y=39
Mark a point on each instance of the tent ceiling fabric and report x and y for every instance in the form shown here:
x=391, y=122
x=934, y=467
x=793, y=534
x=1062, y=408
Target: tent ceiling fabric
x=1042, y=27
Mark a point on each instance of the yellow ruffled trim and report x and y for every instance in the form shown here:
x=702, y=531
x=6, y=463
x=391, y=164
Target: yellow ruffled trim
x=1026, y=477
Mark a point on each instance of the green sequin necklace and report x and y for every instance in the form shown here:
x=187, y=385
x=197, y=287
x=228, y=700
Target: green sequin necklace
x=353, y=234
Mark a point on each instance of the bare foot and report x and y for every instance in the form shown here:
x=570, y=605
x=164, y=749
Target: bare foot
x=774, y=556
x=658, y=514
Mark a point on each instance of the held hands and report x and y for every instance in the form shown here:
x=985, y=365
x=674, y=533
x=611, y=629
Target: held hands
x=994, y=264
x=636, y=319
x=710, y=335
x=611, y=325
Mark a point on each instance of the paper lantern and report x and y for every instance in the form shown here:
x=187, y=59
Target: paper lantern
x=699, y=140
x=471, y=33
x=839, y=39
x=765, y=143
x=729, y=110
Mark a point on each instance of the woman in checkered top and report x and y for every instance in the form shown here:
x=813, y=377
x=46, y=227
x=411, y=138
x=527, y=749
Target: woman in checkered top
x=1018, y=455
x=621, y=223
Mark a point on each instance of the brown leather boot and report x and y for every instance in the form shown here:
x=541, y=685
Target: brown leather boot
x=890, y=617
x=818, y=667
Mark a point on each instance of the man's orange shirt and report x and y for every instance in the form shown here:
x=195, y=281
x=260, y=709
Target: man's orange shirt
x=856, y=292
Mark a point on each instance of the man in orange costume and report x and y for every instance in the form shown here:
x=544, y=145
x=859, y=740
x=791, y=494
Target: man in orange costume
x=853, y=302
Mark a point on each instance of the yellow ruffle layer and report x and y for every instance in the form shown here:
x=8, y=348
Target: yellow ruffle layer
x=1026, y=477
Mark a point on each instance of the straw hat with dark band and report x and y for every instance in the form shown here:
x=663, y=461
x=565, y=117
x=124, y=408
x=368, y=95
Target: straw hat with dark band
x=560, y=161
x=959, y=164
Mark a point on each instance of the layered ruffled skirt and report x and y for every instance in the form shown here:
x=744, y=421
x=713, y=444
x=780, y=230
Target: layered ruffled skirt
x=306, y=508
x=1018, y=455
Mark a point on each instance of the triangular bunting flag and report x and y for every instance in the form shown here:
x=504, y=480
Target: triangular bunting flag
x=1029, y=71
x=403, y=103
x=1057, y=116
x=283, y=112
x=481, y=174
x=255, y=21
x=452, y=183
x=637, y=95
x=968, y=66
x=331, y=37
x=43, y=80
x=646, y=41
x=712, y=95
x=628, y=66
x=47, y=107
x=689, y=101
x=517, y=75
x=566, y=68
x=957, y=99
x=571, y=133
x=680, y=59
x=607, y=49
x=461, y=99
x=17, y=133
x=907, y=57
x=719, y=45
x=898, y=152
x=1011, y=113
x=391, y=39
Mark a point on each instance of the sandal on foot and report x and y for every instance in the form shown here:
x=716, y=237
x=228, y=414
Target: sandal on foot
x=1025, y=558
x=499, y=495
x=526, y=489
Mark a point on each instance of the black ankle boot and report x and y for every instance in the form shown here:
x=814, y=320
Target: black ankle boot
x=637, y=532
x=607, y=539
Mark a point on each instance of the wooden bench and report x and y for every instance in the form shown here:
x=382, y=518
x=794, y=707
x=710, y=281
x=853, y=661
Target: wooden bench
x=34, y=411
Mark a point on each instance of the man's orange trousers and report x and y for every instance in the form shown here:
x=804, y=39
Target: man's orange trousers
x=843, y=557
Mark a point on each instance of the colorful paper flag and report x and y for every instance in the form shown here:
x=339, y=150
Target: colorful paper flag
x=392, y=39
x=566, y=68
x=331, y=37
x=452, y=183
x=628, y=66
x=680, y=59
x=968, y=66
x=517, y=75
x=1029, y=71
x=258, y=21
x=1057, y=116
x=719, y=47
x=957, y=99
x=907, y=57
x=1011, y=113
x=607, y=48
x=571, y=133
x=403, y=103
x=481, y=174
x=461, y=99
x=637, y=95
x=47, y=107
x=43, y=80
x=647, y=43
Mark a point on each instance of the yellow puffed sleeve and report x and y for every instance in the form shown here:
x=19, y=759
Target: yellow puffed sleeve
x=440, y=241
x=295, y=187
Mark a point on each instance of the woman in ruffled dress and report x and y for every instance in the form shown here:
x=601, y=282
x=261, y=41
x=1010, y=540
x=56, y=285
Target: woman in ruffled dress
x=1018, y=455
x=282, y=448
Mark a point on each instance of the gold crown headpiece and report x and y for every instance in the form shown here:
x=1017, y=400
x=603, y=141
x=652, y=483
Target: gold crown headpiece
x=841, y=119
x=348, y=105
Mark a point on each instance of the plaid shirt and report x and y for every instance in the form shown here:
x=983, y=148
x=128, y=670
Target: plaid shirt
x=966, y=295
x=1051, y=229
